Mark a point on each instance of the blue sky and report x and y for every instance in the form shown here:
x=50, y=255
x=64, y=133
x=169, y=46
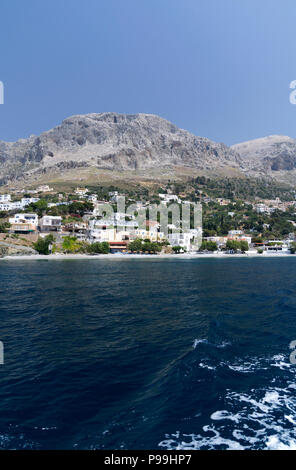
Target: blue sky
x=218, y=68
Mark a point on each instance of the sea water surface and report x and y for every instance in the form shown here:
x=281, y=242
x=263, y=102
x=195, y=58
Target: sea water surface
x=148, y=354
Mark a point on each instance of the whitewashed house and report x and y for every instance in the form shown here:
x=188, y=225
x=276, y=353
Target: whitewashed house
x=4, y=198
x=5, y=206
x=24, y=218
x=50, y=223
x=81, y=191
x=26, y=201
x=181, y=239
x=169, y=198
x=23, y=223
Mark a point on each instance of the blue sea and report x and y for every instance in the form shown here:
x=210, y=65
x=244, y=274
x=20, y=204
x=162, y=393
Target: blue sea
x=148, y=354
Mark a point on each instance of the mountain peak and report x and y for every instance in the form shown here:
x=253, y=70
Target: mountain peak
x=271, y=153
x=116, y=142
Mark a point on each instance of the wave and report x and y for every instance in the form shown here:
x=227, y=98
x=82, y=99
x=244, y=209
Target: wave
x=221, y=345
x=261, y=418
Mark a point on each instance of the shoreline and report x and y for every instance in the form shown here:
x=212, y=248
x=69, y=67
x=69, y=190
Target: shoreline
x=61, y=257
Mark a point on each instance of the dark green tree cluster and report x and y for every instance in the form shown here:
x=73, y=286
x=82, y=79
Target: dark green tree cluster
x=237, y=245
x=4, y=227
x=42, y=244
x=208, y=245
x=99, y=248
x=139, y=246
x=178, y=249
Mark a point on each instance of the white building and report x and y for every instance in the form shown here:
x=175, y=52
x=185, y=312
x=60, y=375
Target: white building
x=5, y=207
x=44, y=189
x=4, y=198
x=50, y=223
x=261, y=208
x=26, y=201
x=23, y=223
x=81, y=191
x=144, y=234
x=24, y=218
x=167, y=198
x=100, y=235
x=11, y=206
x=181, y=239
x=234, y=233
x=92, y=198
x=114, y=196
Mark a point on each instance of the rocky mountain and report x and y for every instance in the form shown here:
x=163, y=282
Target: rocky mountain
x=138, y=144
x=269, y=155
x=112, y=141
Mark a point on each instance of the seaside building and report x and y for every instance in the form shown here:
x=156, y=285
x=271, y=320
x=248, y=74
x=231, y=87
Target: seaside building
x=118, y=246
x=181, y=239
x=77, y=229
x=24, y=218
x=23, y=223
x=151, y=235
x=50, y=223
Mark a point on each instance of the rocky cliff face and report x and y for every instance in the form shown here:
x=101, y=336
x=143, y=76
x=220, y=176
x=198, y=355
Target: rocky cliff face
x=115, y=142
x=271, y=154
x=139, y=143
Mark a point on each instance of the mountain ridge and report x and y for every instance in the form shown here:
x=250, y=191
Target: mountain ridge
x=113, y=141
x=139, y=143
x=271, y=153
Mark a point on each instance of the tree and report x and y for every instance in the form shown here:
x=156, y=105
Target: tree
x=178, y=249
x=99, y=248
x=40, y=207
x=293, y=248
x=208, y=245
x=233, y=245
x=244, y=246
x=154, y=247
x=257, y=239
x=72, y=245
x=135, y=245
x=42, y=244
x=4, y=226
x=80, y=208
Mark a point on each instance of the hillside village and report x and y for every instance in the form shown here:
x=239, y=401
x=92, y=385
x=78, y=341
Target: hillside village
x=45, y=221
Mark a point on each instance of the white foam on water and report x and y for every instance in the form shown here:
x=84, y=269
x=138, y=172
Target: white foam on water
x=246, y=367
x=280, y=362
x=222, y=345
x=273, y=443
x=224, y=414
x=206, y=366
x=196, y=442
x=263, y=418
x=196, y=342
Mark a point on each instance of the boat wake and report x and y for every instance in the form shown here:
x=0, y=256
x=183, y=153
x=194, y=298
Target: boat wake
x=262, y=418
